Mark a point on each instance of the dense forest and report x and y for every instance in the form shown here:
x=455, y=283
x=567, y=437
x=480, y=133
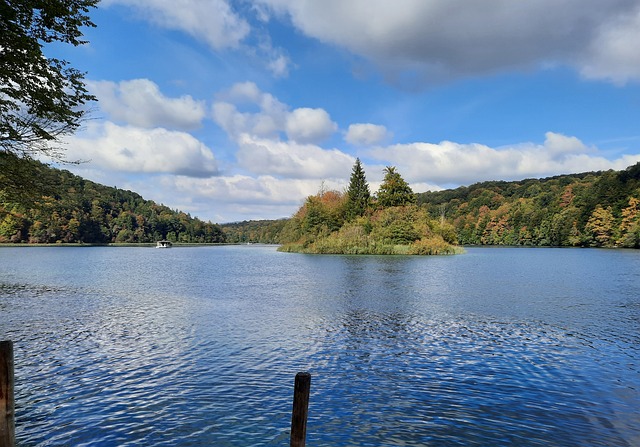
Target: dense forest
x=254, y=231
x=39, y=204
x=597, y=209
x=594, y=209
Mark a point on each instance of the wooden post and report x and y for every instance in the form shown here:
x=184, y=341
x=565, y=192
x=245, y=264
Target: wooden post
x=300, y=409
x=7, y=404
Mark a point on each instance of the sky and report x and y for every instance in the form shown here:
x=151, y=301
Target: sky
x=235, y=110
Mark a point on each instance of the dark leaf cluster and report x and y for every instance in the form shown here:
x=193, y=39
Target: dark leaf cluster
x=42, y=98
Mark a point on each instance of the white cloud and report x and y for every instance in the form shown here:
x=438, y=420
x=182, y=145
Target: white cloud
x=240, y=189
x=211, y=21
x=438, y=40
x=291, y=159
x=279, y=65
x=366, y=134
x=259, y=135
x=268, y=121
x=231, y=198
x=305, y=125
x=139, y=102
x=111, y=147
x=454, y=163
x=217, y=24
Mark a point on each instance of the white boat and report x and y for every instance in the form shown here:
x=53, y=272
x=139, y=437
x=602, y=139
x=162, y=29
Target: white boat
x=164, y=244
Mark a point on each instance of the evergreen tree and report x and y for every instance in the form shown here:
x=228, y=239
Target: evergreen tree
x=358, y=194
x=394, y=191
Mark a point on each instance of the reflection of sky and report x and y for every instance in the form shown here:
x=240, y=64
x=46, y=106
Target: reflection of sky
x=136, y=345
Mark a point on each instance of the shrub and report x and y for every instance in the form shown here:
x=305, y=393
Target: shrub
x=435, y=245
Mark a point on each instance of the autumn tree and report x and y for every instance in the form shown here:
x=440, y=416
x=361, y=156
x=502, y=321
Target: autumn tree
x=358, y=195
x=394, y=191
x=41, y=97
x=600, y=226
x=630, y=225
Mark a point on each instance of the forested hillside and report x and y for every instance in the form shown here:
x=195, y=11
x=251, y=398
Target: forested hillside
x=594, y=209
x=39, y=204
x=597, y=209
x=251, y=231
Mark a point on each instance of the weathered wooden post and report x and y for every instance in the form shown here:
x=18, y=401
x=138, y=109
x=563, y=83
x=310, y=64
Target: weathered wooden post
x=7, y=404
x=300, y=409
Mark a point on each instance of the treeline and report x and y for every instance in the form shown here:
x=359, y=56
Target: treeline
x=593, y=209
x=39, y=204
x=596, y=209
x=254, y=231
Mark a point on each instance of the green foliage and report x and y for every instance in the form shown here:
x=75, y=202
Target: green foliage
x=394, y=191
x=391, y=230
x=599, y=228
x=254, y=231
x=358, y=195
x=41, y=97
x=73, y=210
x=22, y=180
x=590, y=209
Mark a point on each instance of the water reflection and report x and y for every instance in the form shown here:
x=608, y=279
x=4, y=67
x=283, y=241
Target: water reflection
x=199, y=346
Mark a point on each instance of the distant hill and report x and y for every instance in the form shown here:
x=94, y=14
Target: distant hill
x=254, y=231
x=592, y=209
x=39, y=204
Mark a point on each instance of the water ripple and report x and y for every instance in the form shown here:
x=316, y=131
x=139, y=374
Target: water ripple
x=403, y=351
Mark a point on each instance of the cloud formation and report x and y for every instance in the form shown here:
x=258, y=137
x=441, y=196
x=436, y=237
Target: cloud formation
x=454, y=163
x=305, y=125
x=132, y=149
x=213, y=21
x=366, y=134
x=302, y=125
x=274, y=140
x=439, y=40
x=139, y=102
x=292, y=160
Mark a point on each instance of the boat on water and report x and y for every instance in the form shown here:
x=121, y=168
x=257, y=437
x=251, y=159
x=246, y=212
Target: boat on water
x=164, y=244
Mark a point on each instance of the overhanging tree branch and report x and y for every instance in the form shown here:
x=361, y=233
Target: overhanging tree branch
x=41, y=98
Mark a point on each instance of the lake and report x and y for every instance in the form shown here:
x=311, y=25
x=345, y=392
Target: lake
x=199, y=346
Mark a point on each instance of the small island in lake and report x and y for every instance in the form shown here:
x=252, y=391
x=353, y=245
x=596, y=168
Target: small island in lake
x=354, y=222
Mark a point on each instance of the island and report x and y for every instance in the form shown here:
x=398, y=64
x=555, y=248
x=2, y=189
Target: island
x=356, y=223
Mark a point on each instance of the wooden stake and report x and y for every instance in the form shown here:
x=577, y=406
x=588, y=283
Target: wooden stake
x=300, y=409
x=7, y=403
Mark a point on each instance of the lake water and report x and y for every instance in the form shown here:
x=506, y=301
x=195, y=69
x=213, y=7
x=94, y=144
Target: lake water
x=199, y=346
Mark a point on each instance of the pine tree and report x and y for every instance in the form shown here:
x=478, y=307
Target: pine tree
x=394, y=191
x=358, y=194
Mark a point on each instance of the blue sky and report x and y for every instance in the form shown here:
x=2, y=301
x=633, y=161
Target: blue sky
x=239, y=109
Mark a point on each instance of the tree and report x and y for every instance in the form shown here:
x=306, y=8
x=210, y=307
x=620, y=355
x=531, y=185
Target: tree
x=600, y=227
x=41, y=98
x=358, y=194
x=394, y=191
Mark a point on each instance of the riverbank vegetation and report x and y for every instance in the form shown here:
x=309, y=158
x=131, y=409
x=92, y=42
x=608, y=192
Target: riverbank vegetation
x=42, y=205
x=354, y=222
